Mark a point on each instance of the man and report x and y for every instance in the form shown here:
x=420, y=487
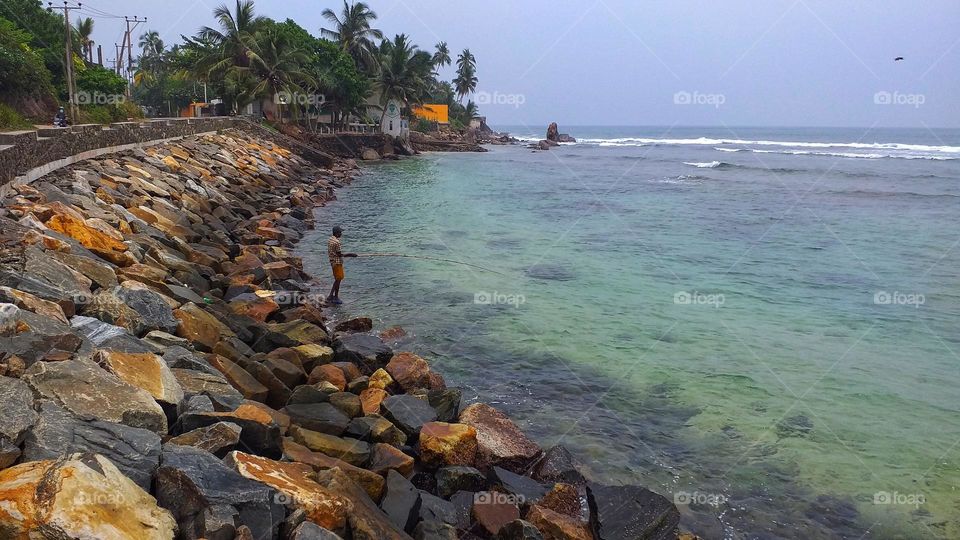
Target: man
x=336, y=263
x=60, y=120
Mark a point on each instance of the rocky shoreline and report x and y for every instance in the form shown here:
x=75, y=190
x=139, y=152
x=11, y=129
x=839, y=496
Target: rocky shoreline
x=166, y=372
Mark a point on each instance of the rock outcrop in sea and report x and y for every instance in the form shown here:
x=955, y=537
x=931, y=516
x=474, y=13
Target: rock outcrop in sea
x=165, y=374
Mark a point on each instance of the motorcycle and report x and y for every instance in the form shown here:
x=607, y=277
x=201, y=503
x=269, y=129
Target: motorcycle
x=60, y=122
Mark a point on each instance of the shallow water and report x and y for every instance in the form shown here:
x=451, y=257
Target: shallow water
x=713, y=332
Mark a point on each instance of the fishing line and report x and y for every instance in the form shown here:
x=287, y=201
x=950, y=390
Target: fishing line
x=427, y=259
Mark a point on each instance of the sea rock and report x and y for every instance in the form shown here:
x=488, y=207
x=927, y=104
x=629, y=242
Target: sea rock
x=369, y=154
x=553, y=132
x=32, y=337
x=359, y=324
x=139, y=310
x=370, y=481
x=146, y=371
x=558, y=465
x=194, y=485
x=291, y=334
x=79, y=496
x=385, y=458
x=103, y=241
x=408, y=413
x=259, y=432
x=526, y=490
x=380, y=379
x=446, y=402
x=348, y=403
x=434, y=530
x=239, y=378
x=409, y=371
x=364, y=518
x=329, y=373
x=375, y=428
x=459, y=478
x=214, y=386
x=218, y=439
x=433, y=508
x=492, y=511
x=107, y=336
x=16, y=402
x=311, y=531
x=320, y=417
x=135, y=451
x=200, y=327
x=561, y=527
x=292, y=480
x=368, y=352
x=29, y=302
x=289, y=373
x=499, y=440
x=306, y=393
x=86, y=390
x=371, y=399
x=519, y=529
x=313, y=354
x=442, y=444
x=628, y=512
x=352, y=451
x=401, y=502
x=256, y=307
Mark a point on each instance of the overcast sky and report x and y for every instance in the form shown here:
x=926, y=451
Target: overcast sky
x=671, y=62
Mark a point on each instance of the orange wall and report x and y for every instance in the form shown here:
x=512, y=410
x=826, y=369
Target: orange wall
x=433, y=113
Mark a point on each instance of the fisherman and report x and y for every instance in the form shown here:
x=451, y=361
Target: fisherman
x=336, y=263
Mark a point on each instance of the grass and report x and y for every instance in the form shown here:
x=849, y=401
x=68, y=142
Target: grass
x=11, y=120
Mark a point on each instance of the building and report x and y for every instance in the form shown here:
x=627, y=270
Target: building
x=392, y=122
x=433, y=113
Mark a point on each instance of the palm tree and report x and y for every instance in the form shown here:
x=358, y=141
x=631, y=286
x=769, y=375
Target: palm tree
x=150, y=63
x=354, y=32
x=404, y=70
x=442, y=56
x=466, y=80
x=234, y=38
x=471, y=111
x=84, y=31
x=278, y=67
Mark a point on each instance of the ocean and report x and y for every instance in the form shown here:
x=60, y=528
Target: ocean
x=759, y=323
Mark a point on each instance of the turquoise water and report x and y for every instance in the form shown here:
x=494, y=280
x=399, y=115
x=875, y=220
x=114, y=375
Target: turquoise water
x=761, y=325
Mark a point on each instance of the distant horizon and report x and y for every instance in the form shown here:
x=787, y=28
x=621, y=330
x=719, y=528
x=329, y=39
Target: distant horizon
x=730, y=126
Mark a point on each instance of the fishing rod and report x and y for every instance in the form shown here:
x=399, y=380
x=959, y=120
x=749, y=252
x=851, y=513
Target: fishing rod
x=424, y=257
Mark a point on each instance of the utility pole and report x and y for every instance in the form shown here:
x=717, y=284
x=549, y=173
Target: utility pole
x=71, y=88
x=128, y=43
x=116, y=61
x=100, y=55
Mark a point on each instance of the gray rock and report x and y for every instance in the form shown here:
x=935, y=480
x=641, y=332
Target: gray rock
x=524, y=488
x=447, y=403
x=135, y=451
x=401, y=501
x=434, y=530
x=519, y=529
x=408, y=413
x=459, y=478
x=86, y=390
x=368, y=352
x=16, y=404
x=312, y=531
x=320, y=417
x=45, y=335
x=630, y=512
x=190, y=481
x=307, y=393
x=218, y=439
x=213, y=385
x=108, y=336
x=139, y=310
x=433, y=508
x=377, y=429
x=558, y=465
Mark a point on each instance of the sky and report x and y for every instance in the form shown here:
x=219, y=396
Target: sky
x=664, y=63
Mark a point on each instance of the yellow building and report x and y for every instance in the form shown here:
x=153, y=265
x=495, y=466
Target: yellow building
x=433, y=113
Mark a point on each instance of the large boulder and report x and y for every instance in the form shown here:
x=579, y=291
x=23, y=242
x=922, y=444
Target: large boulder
x=631, y=512
x=558, y=465
x=259, y=431
x=146, y=371
x=368, y=352
x=401, y=502
x=201, y=328
x=499, y=440
x=292, y=480
x=321, y=417
x=135, y=451
x=352, y=451
x=201, y=492
x=16, y=402
x=442, y=444
x=79, y=496
x=85, y=390
x=370, y=481
x=556, y=525
x=408, y=413
x=363, y=516
x=409, y=371
x=138, y=309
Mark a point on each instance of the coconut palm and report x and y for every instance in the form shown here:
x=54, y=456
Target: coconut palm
x=442, y=56
x=84, y=30
x=278, y=67
x=234, y=38
x=404, y=71
x=150, y=63
x=466, y=79
x=353, y=30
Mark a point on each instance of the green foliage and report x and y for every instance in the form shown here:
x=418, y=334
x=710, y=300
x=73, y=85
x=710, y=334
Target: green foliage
x=11, y=119
x=423, y=125
x=22, y=70
x=105, y=114
x=99, y=80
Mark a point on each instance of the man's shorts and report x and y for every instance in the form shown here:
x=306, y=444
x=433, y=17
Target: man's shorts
x=337, y=271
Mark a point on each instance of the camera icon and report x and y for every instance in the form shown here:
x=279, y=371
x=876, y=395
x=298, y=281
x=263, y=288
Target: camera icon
x=882, y=298
x=483, y=298
x=682, y=298
x=682, y=498
x=682, y=98
x=283, y=498
x=883, y=98
x=882, y=497
x=84, y=98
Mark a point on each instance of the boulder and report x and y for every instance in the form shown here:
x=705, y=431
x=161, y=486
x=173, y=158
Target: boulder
x=459, y=478
x=348, y=403
x=201, y=328
x=320, y=417
x=369, y=154
x=306, y=393
x=311, y=531
x=499, y=440
x=409, y=371
x=553, y=132
x=146, y=371
x=446, y=402
x=313, y=354
x=385, y=458
x=433, y=508
x=558, y=465
x=108, y=245
x=322, y=506
x=555, y=525
x=78, y=496
x=32, y=337
x=519, y=529
x=434, y=530
x=524, y=489
x=291, y=334
x=108, y=336
x=442, y=444
x=492, y=512
x=16, y=402
x=401, y=502
x=34, y=304
x=86, y=390
x=380, y=380
x=408, y=413
x=359, y=324
x=214, y=386
x=370, y=481
x=352, y=451
x=628, y=512
x=239, y=378
x=135, y=451
x=197, y=487
x=375, y=428
x=139, y=310
x=259, y=432
x=329, y=373
x=218, y=439
x=371, y=399
x=568, y=500
x=365, y=519
x=368, y=352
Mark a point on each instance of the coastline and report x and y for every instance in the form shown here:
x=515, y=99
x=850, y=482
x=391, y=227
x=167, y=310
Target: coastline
x=218, y=338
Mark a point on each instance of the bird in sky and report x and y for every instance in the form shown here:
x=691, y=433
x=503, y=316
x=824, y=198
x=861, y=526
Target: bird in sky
x=897, y=59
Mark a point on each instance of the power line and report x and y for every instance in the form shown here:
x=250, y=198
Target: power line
x=71, y=85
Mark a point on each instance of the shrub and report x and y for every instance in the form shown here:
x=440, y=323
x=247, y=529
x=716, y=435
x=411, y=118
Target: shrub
x=423, y=125
x=11, y=119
